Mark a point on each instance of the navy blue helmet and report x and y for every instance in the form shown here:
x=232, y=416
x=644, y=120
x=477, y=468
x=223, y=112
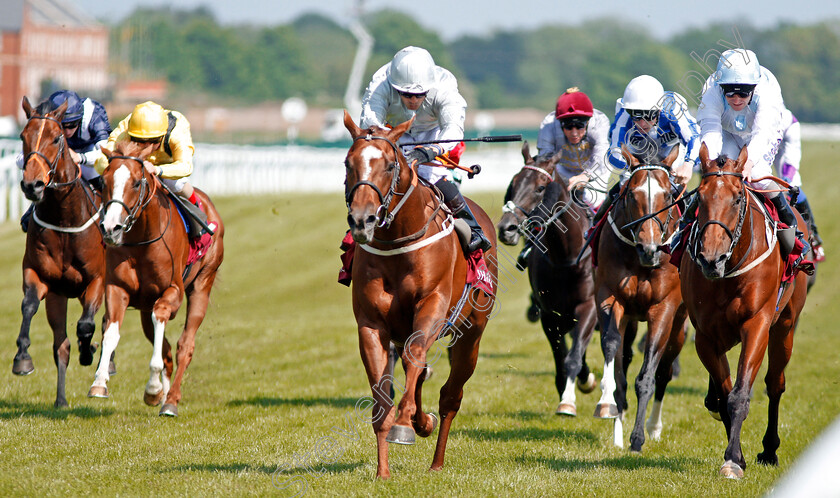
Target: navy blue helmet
x=74, y=105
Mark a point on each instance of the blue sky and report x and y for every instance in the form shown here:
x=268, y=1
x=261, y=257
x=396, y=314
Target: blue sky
x=482, y=17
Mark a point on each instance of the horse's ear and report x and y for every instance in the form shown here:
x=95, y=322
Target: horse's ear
x=354, y=130
x=742, y=159
x=58, y=113
x=27, y=107
x=147, y=150
x=398, y=131
x=632, y=161
x=526, y=153
x=704, y=155
x=107, y=152
x=672, y=156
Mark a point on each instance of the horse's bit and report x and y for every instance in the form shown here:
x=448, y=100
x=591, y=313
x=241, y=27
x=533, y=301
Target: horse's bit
x=734, y=235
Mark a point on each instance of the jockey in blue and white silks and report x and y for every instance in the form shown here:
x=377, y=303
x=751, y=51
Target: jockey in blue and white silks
x=742, y=106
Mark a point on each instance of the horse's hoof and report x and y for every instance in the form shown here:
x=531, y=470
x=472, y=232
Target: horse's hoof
x=603, y=410
x=153, y=399
x=400, y=434
x=732, y=470
x=715, y=415
x=23, y=367
x=567, y=409
x=765, y=458
x=589, y=386
x=61, y=403
x=98, y=392
x=168, y=410
x=112, y=369
x=86, y=354
x=434, y=426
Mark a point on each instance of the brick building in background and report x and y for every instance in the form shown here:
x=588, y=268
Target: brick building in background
x=49, y=41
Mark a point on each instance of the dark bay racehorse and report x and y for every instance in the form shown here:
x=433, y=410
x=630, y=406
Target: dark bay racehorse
x=732, y=274
x=64, y=255
x=636, y=281
x=563, y=290
x=409, y=274
x=147, y=269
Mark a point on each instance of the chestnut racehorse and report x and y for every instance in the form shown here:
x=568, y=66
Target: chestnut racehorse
x=146, y=261
x=732, y=274
x=409, y=273
x=636, y=281
x=64, y=255
x=562, y=288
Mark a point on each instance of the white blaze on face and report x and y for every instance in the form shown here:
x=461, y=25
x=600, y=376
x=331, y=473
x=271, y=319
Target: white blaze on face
x=651, y=189
x=116, y=210
x=369, y=153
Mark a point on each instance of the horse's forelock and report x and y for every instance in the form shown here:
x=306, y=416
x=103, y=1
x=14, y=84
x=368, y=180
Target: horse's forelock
x=43, y=108
x=721, y=160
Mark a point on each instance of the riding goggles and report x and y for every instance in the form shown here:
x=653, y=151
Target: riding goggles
x=572, y=123
x=412, y=95
x=645, y=114
x=743, y=91
x=71, y=124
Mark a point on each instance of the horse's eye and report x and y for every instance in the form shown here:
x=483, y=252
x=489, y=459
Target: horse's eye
x=736, y=201
x=137, y=183
x=57, y=139
x=540, y=189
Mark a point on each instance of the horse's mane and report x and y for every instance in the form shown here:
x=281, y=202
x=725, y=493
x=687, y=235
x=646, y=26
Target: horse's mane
x=43, y=108
x=128, y=148
x=550, y=198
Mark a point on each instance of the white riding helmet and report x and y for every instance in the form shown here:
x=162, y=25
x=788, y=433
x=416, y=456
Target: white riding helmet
x=643, y=93
x=738, y=66
x=412, y=70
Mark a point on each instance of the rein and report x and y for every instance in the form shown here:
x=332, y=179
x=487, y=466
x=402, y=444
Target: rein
x=663, y=226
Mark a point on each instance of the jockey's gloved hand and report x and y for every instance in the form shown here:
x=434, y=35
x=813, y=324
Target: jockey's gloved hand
x=422, y=154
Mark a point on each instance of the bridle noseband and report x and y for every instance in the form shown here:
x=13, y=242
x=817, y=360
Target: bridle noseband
x=734, y=235
x=510, y=206
x=133, y=212
x=54, y=163
x=663, y=226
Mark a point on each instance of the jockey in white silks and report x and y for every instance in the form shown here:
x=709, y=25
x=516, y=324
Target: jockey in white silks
x=411, y=85
x=742, y=106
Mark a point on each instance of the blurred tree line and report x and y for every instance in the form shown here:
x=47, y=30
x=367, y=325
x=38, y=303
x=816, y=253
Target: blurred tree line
x=312, y=56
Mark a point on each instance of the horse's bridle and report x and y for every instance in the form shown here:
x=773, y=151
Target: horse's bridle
x=139, y=206
x=663, y=226
x=734, y=235
x=512, y=207
x=383, y=216
x=54, y=163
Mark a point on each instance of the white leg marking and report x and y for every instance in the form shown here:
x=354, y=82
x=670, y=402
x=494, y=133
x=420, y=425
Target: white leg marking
x=654, y=421
x=110, y=339
x=154, y=385
x=618, y=432
x=115, y=213
x=608, y=384
x=368, y=153
x=569, y=392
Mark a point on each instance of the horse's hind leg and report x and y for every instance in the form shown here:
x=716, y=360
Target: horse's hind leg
x=611, y=317
x=117, y=301
x=155, y=394
x=564, y=383
x=585, y=319
x=91, y=300
x=423, y=423
x=666, y=371
x=464, y=355
x=33, y=292
x=57, y=317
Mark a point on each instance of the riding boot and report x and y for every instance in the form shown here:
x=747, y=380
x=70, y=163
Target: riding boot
x=686, y=220
x=804, y=209
x=456, y=203
x=199, y=237
x=787, y=217
x=24, y=220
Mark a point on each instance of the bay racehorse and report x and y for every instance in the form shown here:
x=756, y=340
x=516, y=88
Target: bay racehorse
x=541, y=207
x=147, y=269
x=636, y=281
x=409, y=288
x=64, y=255
x=732, y=282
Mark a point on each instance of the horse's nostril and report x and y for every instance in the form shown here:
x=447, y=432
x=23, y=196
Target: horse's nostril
x=370, y=220
x=510, y=228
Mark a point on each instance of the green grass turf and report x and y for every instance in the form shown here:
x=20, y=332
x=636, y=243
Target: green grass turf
x=276, y=375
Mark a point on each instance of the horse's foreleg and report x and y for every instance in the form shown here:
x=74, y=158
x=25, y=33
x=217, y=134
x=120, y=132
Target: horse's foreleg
x=665, y=372
x=464, y=355
x=611, y=317
x=373, y=347
x=778, y=356
x=56, y=306
x=116, y=300
x=157, y=389
x=91, y=300
x=553, y=328
x=33, y=292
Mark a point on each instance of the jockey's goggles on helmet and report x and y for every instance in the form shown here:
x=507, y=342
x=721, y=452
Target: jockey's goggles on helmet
x=645, y=114
x=71, y=124
x=412, y=95
x=152, y=140
x=572, y=123
x=732, y=90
